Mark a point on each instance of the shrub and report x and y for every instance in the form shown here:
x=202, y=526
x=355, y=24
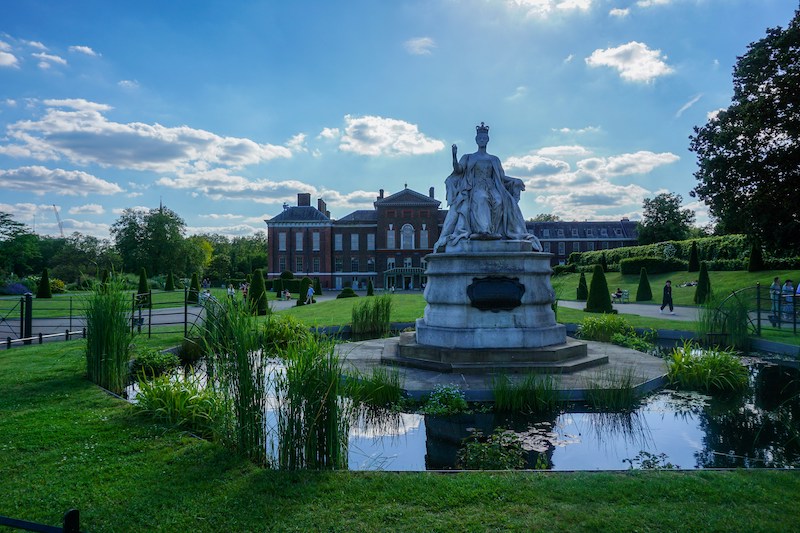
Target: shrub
x=43, y=291
x=317, y=287
x=705, y=370
x=599, y=300
x=694, y=259
x=277, y=286
x=703, y=290
x=257, y=295
x=280, y=331
x=143, y=292
x=305, y=283
x=563, y=269
x=287, y=274
x=502, y=450
x=14, y=289
x=603, y=262
x=445, y=400
x=194, y=290
x=644, y=343
x=57, y=286
x=170, y=284
x=191, y=351
x=602, y=328
x=643, y=292
x=370, y=288
x=151, y=363
x=371, y=318
x=108, y=336
x=654, y=265
x=756, y=262
x=583, y=291
x=347, y=292
x=185, y=403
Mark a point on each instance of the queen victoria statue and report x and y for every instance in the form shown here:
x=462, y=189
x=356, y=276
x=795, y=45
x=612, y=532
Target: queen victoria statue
x=484, y=202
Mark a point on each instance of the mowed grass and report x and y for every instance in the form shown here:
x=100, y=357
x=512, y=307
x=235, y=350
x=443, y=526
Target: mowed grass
x=67, y=444
x=405, y=308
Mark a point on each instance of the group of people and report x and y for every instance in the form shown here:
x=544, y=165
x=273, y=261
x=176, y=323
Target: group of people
x=782, y=297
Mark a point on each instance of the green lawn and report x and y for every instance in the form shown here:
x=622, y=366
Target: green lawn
x=64, y=443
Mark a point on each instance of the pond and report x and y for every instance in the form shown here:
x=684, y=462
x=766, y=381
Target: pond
x=759, y=428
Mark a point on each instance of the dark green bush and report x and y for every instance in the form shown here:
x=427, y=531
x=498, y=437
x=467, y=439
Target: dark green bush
x=582, y=292
x=603, y=261
x=347, y=292
x=151, y=363
x=287, y=274
x=170, y=284
x=194, y=290
x=756, y=262
x=654, y=265
x=599, y=300
x=694, y=259
x=257, y=295
x=643, y=292
x=277, y=286
x=703, y=290
x=562, y=269
x=43, y=290
x=370, y=288
x=143, y=291
x=305, y=283
x=317, y=287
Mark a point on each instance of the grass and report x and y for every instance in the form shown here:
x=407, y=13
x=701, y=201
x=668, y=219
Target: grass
x=612, y=390
x=67, y=444
x=108, y=337
x=707, y=370
x=405, y=308
x=531, y=394
x=382, y=386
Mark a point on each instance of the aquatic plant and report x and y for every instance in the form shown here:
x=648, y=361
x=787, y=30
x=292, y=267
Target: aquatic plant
x=108, y=335
x=531, y=394
x=152, y=362
x=643, y=343
x=705, y=369
x=603, y=327
x=645, y=460
x=370, y=318
x=381, y=387
x=445, y=400
x=725, y=321
x=279, y=331
x=612, y=389
x=502, y=450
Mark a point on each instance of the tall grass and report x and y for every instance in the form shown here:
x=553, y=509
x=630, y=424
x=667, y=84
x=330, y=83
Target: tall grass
x=370, y=317
x=612, y=389
x=381, y=387
x=239, y=371
x=725, y=321
x=108, y=335
x=706, y=369
x=531, y=394
x=313, y=422
x=603, y=327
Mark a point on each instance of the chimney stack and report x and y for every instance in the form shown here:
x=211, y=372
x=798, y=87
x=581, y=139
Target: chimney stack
x=321, y=206
x=380, y=194
x=304, y=199
x=430, y=193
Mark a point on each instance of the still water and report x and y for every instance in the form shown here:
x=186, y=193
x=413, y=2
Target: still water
x=759, y=428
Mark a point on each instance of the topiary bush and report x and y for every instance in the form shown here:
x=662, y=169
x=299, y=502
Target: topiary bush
x=583, y=291
x=170, y=284
x=43, y=291
x=257, y=295
x=287, y=274
x=654, y=265
x=305, y=283
x=193, y=296
x=694, y=259
x=756, y=262
x=347, y=292
x=703, y=290
x=143, y=292
x=643, y=292
x=317, y=287
x=603, y=261
x=370, y=288
x=277, y=287
x=599, y=300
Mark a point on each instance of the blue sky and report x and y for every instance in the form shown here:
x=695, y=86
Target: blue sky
x=225, y=110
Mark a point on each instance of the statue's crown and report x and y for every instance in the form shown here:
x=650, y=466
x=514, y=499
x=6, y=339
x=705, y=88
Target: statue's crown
x=483, y=128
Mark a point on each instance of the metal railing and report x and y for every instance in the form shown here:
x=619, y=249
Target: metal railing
x=70, y=524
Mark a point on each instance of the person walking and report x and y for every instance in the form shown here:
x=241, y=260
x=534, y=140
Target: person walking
x=310, y=295
x=775, y=296
x=667, y=298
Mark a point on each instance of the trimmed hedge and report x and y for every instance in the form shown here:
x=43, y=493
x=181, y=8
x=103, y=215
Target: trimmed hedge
x=43, y=290
x=703, y=291
x=654, y=265
x=643, y=292
x=582, y=292
x=599, y=300
x=347, y=292
x=694, y=258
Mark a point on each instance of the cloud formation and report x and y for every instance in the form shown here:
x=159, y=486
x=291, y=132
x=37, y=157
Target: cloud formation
x=7, y=59
x=83, y=50
x=688, y=104
x=641, y=162
x=419, y=46
x=40, y=180
x=77, y=130
x=376, y=136
x=563, y=151
x=545, y=8
x=47, y=60
x=634, y=61
x=535, y=165
x=619, y=12
x=87, y=209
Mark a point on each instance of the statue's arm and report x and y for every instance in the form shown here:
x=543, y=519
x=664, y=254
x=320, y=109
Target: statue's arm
x=457, y=168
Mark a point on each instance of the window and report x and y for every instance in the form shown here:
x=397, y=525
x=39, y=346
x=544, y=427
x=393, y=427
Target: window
x=618, y=232
x=354, y=242
x=407, y=237
x=545, y=233
x=390, y=239
x=298, y=264
x=590, y=247
x=316, y=264
x=560, y=232
x=546, y=246
x=423, y=238
x=315, y=241
x=390, y=263
x=589, y=232
x=337, y=264
x=281, y=263
x=562, y=248
x=576, y=247
x=371, y=264
x=298, y=242
x=370, y=241
x=337, y=242
x=281, y=242
x=407, y=262
x=574, y=232
x=354, y=264
x=604, y=232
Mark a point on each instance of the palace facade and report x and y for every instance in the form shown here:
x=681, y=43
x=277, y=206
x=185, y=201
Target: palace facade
x=388, y=244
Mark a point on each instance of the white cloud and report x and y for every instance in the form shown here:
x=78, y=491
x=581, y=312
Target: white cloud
x=83, y=50
x=688, y=104
x=128, y=84
x=7, y=59
x=579, y=131
x=48, y=59
x=651, y=3
x=87, y=209
x=545, y=8
x=40, y=180
x=375, y=136
x=563, y=151
x=569, y=58
x=634, y=61
x=590, y=201
x=329, y=133
x=10, y=102
x=297, y=143
x=619, y=12
x=27, y=211
x=535, y=165
x=82, y=134
x=519, y=92
x=221, y=216
x=237, y=230
x=35, y=44
x=641, y=162
x=419, y=46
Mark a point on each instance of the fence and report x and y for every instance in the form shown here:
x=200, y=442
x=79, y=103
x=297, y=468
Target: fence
x=776, y=313
x=71, y=524
x=27, y=320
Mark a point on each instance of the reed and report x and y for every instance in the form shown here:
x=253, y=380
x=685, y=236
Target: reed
x=706, y=369
x=531, y=394
x=613, y=390
x=108, y=335
x=313, y=421
x=381, y=387
x=725, y=321
x=603, y=327
x=371, y=318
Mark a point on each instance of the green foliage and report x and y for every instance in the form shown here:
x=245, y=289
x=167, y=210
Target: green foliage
x=643, y=343
x=582, y=291
x=612, y=390
x=370, y=288
x=280, y=331
x=694, y=259
x=725, y=321
x=191, y=351
x=654, y=265
x=502, y=450
x=707, y=370
x=703, y=290
x=43, y=291
x=381, y=387
x=603, y=327
x=370, y=318
x=257, y=295
x=347, y=292
x=317, y=287
x=108, y=336
x=664, y=220
x=599, y=300
x=756, y=262
x=277, y=286
x=643, y=292
x=170, y=284
x=645, y=460
x=143, y=292
x=305, y=283
x=445, y=400
x=603, y=262
x=184, y=403
x=193, y=296
x=531, y=394
x=151, y=362
x=287, y=274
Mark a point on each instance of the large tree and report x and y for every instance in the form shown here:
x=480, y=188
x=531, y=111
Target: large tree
x=664, y=220
x=749, y=154
x=152, y=240
x=19, y=248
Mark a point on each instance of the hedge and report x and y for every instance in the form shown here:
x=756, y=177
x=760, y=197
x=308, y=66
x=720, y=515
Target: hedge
x=654, y=265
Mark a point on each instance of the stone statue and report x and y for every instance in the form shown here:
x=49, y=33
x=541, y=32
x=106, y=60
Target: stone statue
x=484, y=202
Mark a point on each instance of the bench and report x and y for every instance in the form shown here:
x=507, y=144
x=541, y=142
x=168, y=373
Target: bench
x=624, y=298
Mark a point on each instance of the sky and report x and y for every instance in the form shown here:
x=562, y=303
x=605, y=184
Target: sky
x=224, y=111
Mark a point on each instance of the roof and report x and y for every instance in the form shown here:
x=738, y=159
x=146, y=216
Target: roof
x=300, y=214
x=627, y=227
x=407, y=197
x=362, y=215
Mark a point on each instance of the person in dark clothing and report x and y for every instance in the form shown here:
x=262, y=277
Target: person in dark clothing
x=667, y=299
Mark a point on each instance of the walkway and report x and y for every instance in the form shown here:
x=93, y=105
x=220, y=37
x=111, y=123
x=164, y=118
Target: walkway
x=686, y=314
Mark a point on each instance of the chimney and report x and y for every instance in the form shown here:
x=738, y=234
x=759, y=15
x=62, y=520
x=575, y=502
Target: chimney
x=430, y=193
x=304, y=199
x=380, y=194
x=321, y=206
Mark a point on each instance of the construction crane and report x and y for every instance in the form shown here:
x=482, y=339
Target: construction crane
x=58, y=218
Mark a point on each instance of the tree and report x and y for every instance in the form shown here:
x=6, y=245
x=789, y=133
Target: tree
x=748, y=155
x=151, y=239
x=19, y=248
x=545, y=217
x=370, y=288
x=583, y=291
x=170, y=283
x=694, y=258
x=143, y=292
x=703, y=291
x=194, y=290
x=219, y=268
x=317, y=287
x=43, y=291
x=756, y=262
x=664, y=220
x=257, y=295
x=643, y=292
x=603, y=262
x=599, y=300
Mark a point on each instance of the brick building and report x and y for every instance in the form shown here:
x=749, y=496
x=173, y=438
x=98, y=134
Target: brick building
x=388, y=244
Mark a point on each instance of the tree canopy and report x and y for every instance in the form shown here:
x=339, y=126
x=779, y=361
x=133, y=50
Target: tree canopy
x=664, y=220
x=545, y=217
x=749, y=154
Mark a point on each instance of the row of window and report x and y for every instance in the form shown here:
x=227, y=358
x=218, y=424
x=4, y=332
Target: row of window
x=338, y=264
x=589, y=232
x=576, y=247
x=298, y=241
